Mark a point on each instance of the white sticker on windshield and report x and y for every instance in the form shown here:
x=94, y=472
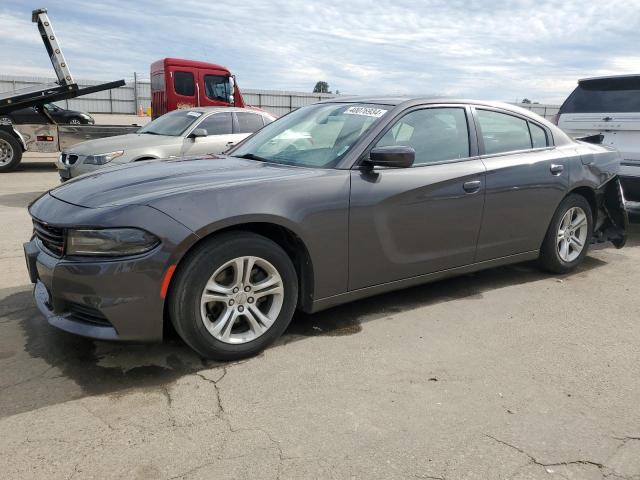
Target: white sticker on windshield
x=194, y=114
x=366, y=111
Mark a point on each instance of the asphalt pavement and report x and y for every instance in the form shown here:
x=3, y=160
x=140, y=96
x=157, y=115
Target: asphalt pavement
x=509, y=373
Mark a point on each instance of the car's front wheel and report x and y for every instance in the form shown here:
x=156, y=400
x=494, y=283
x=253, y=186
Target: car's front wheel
x=569, y=235
x=233, y=296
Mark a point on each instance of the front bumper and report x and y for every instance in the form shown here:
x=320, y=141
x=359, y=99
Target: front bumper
x=68, y=171
x=105, y=299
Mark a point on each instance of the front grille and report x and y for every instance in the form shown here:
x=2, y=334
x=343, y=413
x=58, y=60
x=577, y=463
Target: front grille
x=86, y=314
x=51, y=237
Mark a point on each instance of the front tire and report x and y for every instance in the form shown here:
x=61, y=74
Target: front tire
x=569, y=235
x=233, y=296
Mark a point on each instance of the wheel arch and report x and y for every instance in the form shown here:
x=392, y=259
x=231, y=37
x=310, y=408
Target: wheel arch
x=284, y=237
x=589, y=193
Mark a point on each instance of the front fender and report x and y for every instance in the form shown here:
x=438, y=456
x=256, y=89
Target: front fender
x=316, y=210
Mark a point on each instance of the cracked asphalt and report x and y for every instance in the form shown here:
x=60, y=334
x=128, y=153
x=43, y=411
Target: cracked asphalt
x=505, y=374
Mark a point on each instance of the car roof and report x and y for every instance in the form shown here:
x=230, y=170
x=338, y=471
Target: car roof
x=399, y=100
x=426, y=100
x=610, y=77
x=225, y=109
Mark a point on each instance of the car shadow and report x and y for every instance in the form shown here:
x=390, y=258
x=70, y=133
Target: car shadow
x=18, y=200
x=28, y=165
x=70, y=367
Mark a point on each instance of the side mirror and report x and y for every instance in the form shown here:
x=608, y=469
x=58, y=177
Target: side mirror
x=232, y=89
x=198, y=132
x=393, y=156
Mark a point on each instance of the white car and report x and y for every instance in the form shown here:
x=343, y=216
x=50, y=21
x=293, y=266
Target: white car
x=197, y=131
x=609, y=106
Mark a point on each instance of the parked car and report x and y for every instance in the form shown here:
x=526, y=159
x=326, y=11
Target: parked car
x=334, y=202
x=609, y=106
x=30, y=115
x=176, y=134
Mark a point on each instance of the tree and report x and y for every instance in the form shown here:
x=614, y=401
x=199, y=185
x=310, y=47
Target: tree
x=321, y=87
x=526, y=101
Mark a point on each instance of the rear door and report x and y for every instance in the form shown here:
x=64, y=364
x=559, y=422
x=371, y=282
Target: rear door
x=406, y=222
x=607, y=106
x=527, y=177
x=219, y=127
x=245, y=124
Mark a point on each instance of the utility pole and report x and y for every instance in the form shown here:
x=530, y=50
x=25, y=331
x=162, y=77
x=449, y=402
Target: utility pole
x=135, y=93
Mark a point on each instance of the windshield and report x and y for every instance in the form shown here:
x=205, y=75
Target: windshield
x=315, y=136
x=173, y=123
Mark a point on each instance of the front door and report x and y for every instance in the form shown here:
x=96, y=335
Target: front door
x=413, y=221
x=214, y=88
x=219, y=139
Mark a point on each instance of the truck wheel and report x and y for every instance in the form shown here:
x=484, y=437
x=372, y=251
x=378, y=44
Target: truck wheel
x=569, y=235
x=10, y=152
x=233, y=296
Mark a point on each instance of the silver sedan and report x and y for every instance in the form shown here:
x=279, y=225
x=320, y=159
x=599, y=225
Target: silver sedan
x=177, y=134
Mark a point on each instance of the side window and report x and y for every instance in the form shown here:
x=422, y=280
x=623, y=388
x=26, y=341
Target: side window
x=217, y=87
x=502, y=132
x=183, y=83
x=538, y=136
x=157, y=82
x=249, y=122
x=217, y=124
x=436, y=134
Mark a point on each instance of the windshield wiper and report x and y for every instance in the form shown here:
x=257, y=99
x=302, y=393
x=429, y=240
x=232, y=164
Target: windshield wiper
x=150, y=133
x=251, y=156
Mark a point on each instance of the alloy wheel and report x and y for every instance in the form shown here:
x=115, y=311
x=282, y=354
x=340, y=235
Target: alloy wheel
x=572, y=234
x=242, y=300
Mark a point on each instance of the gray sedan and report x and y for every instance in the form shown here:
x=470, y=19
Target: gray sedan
x=334, y=202
x=197, y=131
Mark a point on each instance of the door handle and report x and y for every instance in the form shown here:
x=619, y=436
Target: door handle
x=230, y=144
x=556, y=169
x=471, y=186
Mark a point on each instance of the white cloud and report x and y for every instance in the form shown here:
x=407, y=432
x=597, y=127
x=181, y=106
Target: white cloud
x=499, y=50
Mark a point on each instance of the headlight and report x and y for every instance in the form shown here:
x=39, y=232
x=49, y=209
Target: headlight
x=103, y=157
x=109, y=242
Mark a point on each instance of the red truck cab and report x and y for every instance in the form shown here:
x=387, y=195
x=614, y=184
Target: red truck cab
x=178, y=83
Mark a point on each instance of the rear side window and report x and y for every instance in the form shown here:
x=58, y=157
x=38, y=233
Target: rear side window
x=436, y=134
x=183, y=83
x=502, y=132
x=157, y=82
x=538, y=136
x=611, y=95
x=217, y=124
x=249, y=122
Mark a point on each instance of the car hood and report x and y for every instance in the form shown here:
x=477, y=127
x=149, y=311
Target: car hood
x=142, y=183
x=121, y=142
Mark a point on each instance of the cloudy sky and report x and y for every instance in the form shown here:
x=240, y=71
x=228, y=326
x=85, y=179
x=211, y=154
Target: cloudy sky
x=497, y=49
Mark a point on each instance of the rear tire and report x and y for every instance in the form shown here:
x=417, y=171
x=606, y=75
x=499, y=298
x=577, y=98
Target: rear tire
x=569, y=235
x=233, y=296
x=10, y=152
